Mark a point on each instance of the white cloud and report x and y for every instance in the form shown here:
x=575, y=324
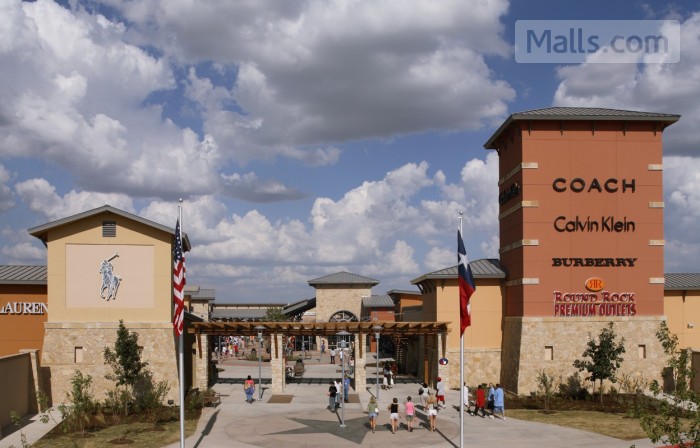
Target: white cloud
x=669, y=88
x=41, y=198
x=6, y=196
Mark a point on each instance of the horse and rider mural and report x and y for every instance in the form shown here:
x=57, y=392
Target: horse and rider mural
x=110, y=281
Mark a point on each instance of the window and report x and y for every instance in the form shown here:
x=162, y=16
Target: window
x=642, y=351
x=78, y=355
x=549, y=353
x=109, y=229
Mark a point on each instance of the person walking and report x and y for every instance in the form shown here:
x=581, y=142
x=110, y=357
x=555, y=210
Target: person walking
x=373, y=410
x=440, y=386
x=393, y=409
x=346, y=388
x=387, y=374
x=423, y=393
x=332, y=356
x=332, y=392
x=498, y=402
x=480, y=402
x=432, y=411
x=465, y=396
x=410, y=409
x=339, y=389
x=490, y=399
x=249, y=389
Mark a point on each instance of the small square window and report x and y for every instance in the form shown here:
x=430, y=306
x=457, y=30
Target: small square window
x=549, y=353
x=642, y=351
x=78, y=355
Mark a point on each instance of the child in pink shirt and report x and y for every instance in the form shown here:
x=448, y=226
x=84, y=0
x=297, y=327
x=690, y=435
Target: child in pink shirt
x=410, y=412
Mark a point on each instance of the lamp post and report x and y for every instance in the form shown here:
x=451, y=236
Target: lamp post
x=343, y=344
x=377, y=332
x=260, y=329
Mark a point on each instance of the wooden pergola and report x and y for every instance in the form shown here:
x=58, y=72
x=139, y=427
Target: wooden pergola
x=400, y=329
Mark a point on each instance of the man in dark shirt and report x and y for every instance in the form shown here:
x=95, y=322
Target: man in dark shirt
x=332, y=391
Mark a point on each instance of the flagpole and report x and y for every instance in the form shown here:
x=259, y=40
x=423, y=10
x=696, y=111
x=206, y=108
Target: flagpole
x=181, y=357
x=461, y=365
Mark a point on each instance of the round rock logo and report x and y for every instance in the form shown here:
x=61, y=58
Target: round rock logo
x=595, y=284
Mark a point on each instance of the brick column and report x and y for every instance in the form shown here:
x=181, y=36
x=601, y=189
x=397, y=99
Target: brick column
x=277, y=366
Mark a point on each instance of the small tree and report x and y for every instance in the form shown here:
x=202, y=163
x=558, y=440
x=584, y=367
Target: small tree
x=676, y=420
x=275, y=314
x=76, y=414
x=605, y=357
x=545, y=387
x=125, y=360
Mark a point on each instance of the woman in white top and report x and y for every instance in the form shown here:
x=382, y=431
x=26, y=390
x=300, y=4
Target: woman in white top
x=432, y=411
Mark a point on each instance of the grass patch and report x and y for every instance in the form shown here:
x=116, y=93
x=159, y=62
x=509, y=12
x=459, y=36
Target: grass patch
x=142, y=435
x=609, y=424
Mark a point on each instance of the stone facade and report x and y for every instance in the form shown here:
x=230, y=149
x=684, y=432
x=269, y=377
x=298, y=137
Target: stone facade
x=330, y=299
x=480, y=366
x=528, y=341
x=64, y=339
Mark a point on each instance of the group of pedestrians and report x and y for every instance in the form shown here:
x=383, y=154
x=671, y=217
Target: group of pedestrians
x=338, y=393
x=409, y=413
x=489, y=400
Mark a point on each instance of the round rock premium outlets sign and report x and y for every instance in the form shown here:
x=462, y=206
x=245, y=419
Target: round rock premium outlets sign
x=595, y=302
x=23, y=308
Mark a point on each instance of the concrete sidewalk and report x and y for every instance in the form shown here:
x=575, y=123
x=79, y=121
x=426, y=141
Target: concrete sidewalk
x=306, y=422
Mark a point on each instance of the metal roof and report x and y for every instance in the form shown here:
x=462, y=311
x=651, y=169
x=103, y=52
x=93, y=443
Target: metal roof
x=581, y=113
x=22, y=275
x=378, y=301
x=343, y=278
x=239, y=314
x=683, y=282
x=404, y=292
x=204, y=294
x=483, y=268
x=299, y=307
x=42, y=230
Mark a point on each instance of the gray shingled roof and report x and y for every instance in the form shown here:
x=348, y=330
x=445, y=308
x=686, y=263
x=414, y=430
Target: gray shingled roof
x=581, y=113
x=682, y=282
x=343, y=278
x=22, y=275
x=41, y=231
x=378, y=301
x=482, y=268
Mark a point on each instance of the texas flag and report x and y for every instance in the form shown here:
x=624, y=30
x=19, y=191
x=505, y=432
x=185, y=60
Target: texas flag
x=466, y=284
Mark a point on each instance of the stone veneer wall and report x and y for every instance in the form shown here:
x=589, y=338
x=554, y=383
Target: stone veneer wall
x=202, y=364
x=524, y=351
x=61, y=339
x=332, y=300
x=480, y=366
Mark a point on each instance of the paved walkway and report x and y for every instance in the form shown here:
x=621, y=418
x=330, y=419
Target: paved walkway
x=306, y=422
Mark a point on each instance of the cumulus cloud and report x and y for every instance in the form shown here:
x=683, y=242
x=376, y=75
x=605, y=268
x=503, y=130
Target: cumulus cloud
x=41, y=198
x=6, y=196
x=669, y=88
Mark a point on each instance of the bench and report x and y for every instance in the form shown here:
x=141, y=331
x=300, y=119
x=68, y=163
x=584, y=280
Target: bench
x=211, y=400
x=299, y=369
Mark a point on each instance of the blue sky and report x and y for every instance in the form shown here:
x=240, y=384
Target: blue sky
x=309, y=137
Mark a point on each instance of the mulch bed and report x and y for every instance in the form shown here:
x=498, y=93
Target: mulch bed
x=280, y=399
x=619, y=403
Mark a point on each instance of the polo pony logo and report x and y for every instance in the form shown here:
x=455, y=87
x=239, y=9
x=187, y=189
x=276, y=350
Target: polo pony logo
x=110, y=282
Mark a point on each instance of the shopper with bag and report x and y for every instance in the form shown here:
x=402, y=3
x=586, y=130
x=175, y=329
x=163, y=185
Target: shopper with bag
x=249, y=389
x=373, y=410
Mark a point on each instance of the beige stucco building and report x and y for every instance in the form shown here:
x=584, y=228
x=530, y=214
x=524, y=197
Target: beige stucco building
x=103, y=266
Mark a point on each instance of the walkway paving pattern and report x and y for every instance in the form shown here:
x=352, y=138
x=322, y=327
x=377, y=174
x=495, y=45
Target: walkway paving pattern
x=306, y=422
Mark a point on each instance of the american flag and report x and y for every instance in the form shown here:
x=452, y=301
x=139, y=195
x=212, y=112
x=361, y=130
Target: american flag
x=179, y=281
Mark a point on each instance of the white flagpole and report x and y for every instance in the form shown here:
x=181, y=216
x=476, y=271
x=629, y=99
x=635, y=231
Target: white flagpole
x=181, y=356
x=461, y=361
